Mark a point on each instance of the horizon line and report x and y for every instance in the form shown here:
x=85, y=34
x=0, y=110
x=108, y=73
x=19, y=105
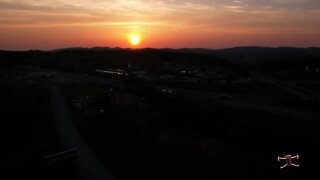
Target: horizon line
x=164, y=48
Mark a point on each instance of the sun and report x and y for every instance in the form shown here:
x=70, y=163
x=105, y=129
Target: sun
x=134, y=40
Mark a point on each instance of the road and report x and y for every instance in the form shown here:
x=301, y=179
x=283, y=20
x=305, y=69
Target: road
x=202, y=97
x=90, y=167
x=290, y=88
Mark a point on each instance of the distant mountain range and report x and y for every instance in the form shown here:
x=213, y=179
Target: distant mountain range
x=249, y=50
x=245, y=56
x=242, y=55
x=244, y=49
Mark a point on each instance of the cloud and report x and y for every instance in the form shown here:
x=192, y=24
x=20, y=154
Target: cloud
x=236, y=15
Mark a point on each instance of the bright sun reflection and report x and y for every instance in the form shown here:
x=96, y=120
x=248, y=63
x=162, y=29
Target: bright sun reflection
x=134, y=40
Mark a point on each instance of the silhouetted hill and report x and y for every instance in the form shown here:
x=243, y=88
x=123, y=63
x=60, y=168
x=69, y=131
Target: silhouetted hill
x=254, y=50
x=90, y=59
x=262, y=58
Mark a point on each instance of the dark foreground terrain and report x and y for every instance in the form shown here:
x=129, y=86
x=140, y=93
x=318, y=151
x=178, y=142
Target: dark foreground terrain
x=160, y=114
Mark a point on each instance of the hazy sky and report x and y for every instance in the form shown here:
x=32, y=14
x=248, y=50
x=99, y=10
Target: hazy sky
x=49, y=24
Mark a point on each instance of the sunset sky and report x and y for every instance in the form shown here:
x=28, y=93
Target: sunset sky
x=50, y=24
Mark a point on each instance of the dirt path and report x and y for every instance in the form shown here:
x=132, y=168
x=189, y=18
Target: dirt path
x=90, y=167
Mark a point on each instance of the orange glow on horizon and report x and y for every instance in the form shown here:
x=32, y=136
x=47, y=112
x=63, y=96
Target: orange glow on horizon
x=158, y=24
x=135, y=40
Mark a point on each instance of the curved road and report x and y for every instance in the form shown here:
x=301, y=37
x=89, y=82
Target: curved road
x=90, y=167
